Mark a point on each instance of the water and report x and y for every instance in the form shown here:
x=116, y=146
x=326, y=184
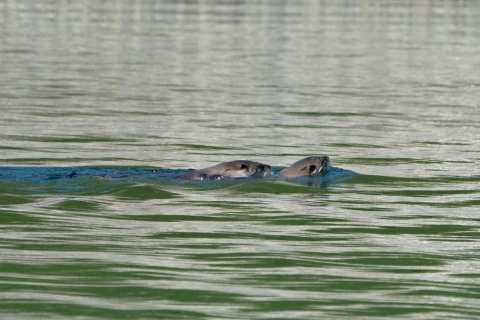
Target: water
x=389, y=90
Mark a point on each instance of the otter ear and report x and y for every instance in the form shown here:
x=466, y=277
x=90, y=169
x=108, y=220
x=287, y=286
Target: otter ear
x=311, y=169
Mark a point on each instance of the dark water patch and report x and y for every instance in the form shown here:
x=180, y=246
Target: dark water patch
x=144, y=193
x=39, y=161
x=442, y=143
x=202, y=185
x=58, y=85
x=144, y=113
x=51, y=112
x=38, y=303
x=458, y=204
x=77, y=139
x=422, y=193
x=183, y=218
x=411, y=309
x=273, y=308
x=328, y=283
x=328, y=114
x=432, y=229
x=42, y=174
x=379, y=260
x=466, y=275
x=470, y=292
x=109, y=281
x=204, y=147
x=77, y=205
x=87, y=186
x=8, y=200
x=385, y=180
x=186, y=89
x=464, y=237
x=442, y=204
x=293, y=126
x=447, y=179
x=420, y=216
x=256, y=261
x=391, y=161
x=302, y=220
x=81, y=186
x=279, y=187
x=228, y=205
x=71, y=93
x=59, y=242
x=18, y=51
x=193, y=235
x=437, y=185
x=17, y=218
x=368, y=208
x=356, y=145
x=422, y=229
x=11, y=148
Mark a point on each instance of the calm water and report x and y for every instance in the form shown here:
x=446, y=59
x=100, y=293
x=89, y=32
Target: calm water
x=388, y=89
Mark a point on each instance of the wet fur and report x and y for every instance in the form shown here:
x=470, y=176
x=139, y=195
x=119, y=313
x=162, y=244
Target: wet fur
x=306, y=167
x=231, y=169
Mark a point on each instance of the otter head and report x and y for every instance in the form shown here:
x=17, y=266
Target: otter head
x=243, y=169
x=306, y=167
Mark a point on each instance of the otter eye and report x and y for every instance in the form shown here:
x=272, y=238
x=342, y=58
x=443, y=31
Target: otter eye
x=243, y=166
x=312, y=168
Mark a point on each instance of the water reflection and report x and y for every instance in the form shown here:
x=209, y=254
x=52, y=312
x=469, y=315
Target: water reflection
x=388, y=90
x=250, y=77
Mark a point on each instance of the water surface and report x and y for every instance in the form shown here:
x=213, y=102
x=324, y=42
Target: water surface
x=388, y=90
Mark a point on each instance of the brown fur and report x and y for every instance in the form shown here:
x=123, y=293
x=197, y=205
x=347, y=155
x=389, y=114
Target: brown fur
x=306, y=167
x=231, y=169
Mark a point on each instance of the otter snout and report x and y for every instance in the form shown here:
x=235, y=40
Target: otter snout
x=325, y=163
x=263, y=170
x=265, y=167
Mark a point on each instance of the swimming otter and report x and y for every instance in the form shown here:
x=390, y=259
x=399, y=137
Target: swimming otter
x=306, y=167
x=240, y=169
x=230, y=169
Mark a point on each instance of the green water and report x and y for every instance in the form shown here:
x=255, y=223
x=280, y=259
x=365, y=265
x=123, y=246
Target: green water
x=389, y=90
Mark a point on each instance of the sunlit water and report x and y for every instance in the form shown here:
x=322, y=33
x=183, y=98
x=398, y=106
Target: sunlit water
x=119, y=91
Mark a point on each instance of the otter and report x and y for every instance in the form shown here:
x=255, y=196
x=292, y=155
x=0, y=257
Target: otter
x=306, y=167
x=231, y=169
x=236, y=169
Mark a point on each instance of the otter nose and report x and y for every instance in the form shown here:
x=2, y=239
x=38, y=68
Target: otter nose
x=265, y=167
